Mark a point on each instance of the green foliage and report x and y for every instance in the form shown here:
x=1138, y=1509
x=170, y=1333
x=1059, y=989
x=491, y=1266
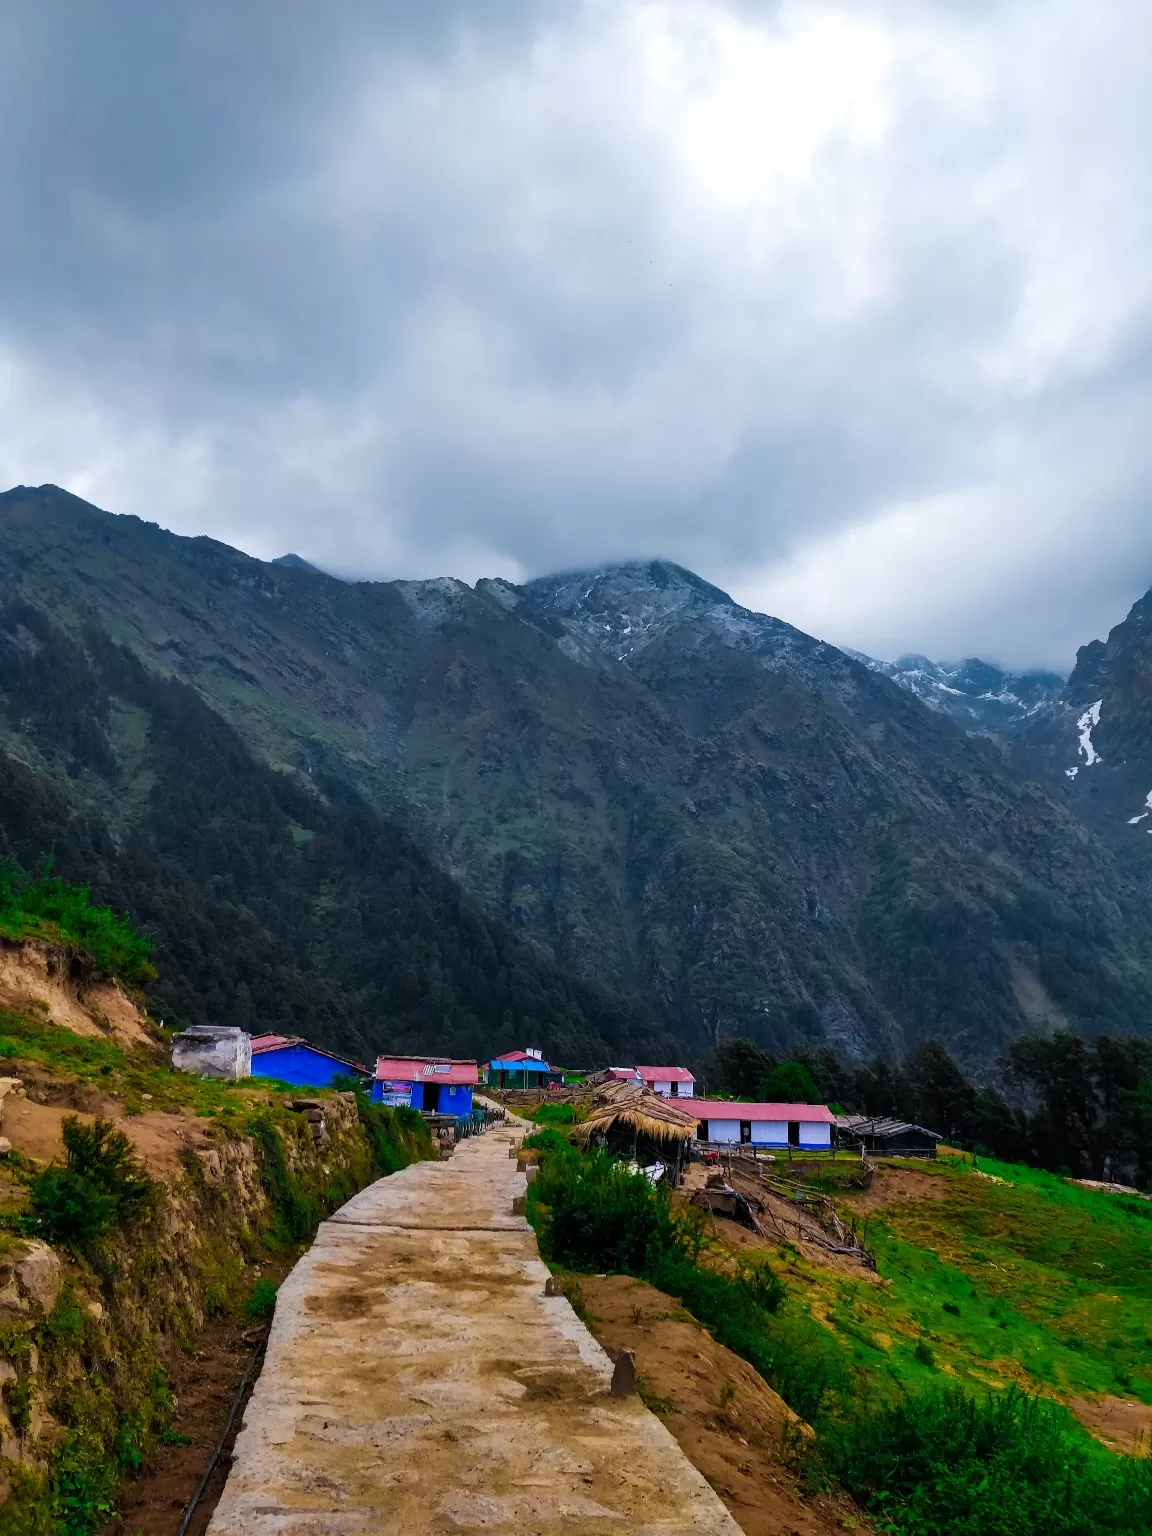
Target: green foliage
x=62, y=913
x=295, y=1213
x=554, y=1114
x=789, y=1083
x=547, y=1140
x=397, y=1135
x=261, y=1302
x=101, y=1185
x=600, y=1216
x=1000, y=1465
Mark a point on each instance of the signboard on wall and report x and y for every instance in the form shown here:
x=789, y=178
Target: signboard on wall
x=396, y=1094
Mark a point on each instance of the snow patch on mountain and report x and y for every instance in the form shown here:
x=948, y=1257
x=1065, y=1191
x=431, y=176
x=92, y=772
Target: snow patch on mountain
x=1086, y=724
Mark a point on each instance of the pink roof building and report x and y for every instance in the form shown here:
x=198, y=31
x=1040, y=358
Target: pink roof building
x=422, y=1069
x=672, y=1082
x=807, y=1127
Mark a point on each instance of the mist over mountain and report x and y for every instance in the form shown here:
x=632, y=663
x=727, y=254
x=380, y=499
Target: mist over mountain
x=672, y=797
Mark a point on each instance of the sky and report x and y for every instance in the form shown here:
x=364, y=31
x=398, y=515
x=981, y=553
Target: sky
x=846, y=307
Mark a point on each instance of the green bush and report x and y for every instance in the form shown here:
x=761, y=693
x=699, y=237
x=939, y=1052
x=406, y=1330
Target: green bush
x=60, y=912
x=261, y=1301
x=547, y=1140
x=100, y=1186
x=1002, y=1465
x=555, y=1114
x=599, y=1215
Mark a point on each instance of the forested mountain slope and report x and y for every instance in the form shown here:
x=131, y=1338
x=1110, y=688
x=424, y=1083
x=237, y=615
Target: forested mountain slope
x=273, y=905
x=667, y=793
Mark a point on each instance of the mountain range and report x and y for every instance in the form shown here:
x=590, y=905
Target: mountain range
x=684, y=820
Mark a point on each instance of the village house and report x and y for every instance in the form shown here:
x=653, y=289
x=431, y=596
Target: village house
x=519, y=1069
x=437, y=1085
x=804, y=1127
x=672, y=1082
x=291, y=1059
x=887, y=1137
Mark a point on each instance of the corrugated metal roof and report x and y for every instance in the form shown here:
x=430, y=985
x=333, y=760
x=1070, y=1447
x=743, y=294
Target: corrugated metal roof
x=520, y=1059
x=438, y=1069
x=665, y=1074
x=717, y=1109
x=880, y=1125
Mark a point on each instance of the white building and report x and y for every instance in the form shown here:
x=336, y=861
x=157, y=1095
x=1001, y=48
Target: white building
x=672, y=1082
x=807, y=1127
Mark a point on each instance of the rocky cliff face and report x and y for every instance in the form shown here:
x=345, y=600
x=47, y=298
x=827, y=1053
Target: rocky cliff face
x=664, y=791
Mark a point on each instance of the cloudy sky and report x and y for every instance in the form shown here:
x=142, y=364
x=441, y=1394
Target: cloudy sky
x=847, y=307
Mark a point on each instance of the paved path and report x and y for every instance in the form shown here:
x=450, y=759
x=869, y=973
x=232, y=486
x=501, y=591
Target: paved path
x=418, y=1379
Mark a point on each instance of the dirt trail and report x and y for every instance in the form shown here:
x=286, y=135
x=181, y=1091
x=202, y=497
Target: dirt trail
x=419, y=1379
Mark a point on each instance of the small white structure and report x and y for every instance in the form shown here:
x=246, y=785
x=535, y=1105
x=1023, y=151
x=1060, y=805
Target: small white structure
x=807, y=1127
x=212, y=1051
x=672, y=1082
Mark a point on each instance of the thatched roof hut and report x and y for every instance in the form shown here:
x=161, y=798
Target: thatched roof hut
x=629, y=1113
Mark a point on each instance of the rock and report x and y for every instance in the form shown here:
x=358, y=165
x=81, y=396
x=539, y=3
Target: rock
x=39, y=1274
x=94, y=1310
x=12, y=1304
x=519, y=1205
x=10, y=1085
x=624, y=1374
x=8, y=1371
x=5, y=1146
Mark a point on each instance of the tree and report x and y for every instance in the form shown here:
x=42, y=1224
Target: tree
x=789, y=1083
x=738, y=1067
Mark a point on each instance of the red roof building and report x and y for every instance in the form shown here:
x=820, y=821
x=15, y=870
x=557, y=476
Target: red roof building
x=672, y=1082
x=807, y=1127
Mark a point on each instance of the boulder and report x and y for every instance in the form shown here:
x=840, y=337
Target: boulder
x=39, y=1274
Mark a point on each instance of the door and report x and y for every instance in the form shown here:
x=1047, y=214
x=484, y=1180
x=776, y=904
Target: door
x=745, y=1131
x=675, y=1090
x=431, y=1097
x=793, y=1133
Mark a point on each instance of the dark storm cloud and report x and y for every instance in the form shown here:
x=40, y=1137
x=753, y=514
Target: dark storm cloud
x=845, y=306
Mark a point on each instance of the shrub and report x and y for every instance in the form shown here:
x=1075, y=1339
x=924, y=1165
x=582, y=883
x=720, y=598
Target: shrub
x=101, y=1185
x=261, y=1301
x=555, y=1114
x=599, y=1215
x=1002, y=1465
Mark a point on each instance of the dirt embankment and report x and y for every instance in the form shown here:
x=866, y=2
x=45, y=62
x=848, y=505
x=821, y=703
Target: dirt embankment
x=40, y=977
x=724, y=1416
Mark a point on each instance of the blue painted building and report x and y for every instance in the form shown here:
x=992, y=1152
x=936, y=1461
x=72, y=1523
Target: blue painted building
x=290, y=1059
x=436, y=1085
x=519, y=1069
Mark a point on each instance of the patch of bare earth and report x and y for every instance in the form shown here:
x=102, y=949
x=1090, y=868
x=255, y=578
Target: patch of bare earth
x=897, y=1186
x=1120, y=1422
x=36, y=976
x=723, y=1415
x=159, y=1136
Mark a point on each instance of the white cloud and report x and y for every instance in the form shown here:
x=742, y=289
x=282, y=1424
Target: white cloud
x=786, y=292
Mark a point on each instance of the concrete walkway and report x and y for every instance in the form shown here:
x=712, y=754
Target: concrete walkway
x=418, y=1379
